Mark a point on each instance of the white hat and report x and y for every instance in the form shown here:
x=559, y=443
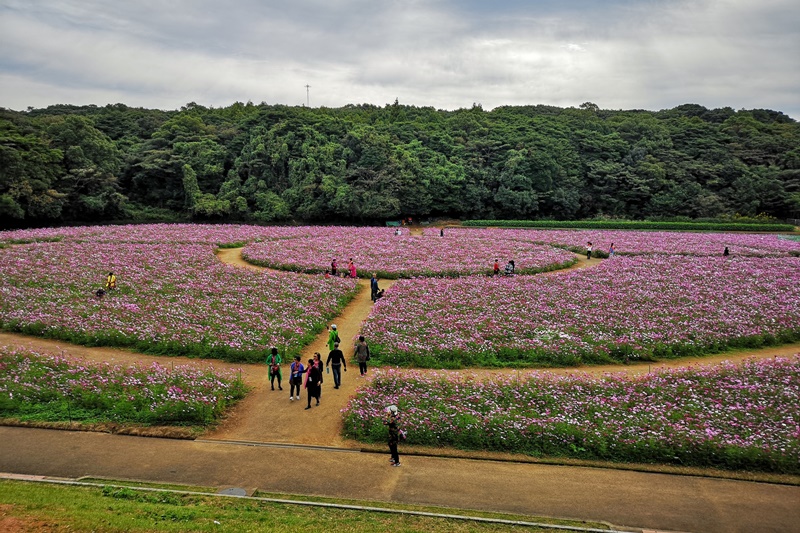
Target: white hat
x=333, y=326
x=392, y=409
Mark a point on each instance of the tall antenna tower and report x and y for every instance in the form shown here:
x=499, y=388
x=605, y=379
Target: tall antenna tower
x=308, y=102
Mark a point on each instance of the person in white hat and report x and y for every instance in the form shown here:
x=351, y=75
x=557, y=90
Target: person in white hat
x=333, y=337
x=391, y=420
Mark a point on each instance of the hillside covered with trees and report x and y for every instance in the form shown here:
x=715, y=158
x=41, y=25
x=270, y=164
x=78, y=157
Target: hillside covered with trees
x=364, y=163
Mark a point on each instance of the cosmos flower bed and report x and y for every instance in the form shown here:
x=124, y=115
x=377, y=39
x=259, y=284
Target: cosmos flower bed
x=172, y=299
x=732, y=416
x=631, y=307
x=219, y=234
x=650, y=242
x=378, y=250
x=48, y=387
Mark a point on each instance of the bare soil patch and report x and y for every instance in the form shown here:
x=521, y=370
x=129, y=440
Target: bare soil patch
x=16, y=524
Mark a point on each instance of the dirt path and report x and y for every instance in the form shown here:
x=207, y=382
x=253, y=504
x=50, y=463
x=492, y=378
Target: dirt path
x=268, y=415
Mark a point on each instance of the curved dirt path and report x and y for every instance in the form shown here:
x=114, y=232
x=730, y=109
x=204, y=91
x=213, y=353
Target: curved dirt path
x=267, y=415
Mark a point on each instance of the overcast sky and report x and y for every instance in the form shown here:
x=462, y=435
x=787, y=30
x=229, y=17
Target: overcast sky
x=619, y=54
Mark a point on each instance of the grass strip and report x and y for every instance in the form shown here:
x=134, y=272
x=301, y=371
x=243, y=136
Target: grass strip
x=121, y=507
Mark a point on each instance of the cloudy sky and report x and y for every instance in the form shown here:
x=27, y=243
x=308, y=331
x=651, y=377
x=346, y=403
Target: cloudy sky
x=619, y=54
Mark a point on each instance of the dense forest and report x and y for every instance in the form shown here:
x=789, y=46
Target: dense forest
x=364, y=163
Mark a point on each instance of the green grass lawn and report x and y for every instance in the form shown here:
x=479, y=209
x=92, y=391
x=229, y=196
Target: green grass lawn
x=38, y=506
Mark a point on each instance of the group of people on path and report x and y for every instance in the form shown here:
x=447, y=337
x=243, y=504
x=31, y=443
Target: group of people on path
x=335, y=363
x=313, y=373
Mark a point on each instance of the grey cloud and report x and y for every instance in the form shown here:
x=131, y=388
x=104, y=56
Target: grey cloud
x=444, y=53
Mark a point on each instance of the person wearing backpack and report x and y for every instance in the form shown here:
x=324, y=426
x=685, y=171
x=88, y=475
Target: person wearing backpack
x=274, y=361
x=362, y=355
x=333, y=337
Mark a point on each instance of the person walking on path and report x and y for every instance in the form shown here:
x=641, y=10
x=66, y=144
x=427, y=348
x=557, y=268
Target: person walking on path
x=321, y=366
x=336, y=361
x=313, y=382
x=373, y=286
x=589, y=250
x=392, y=419
x=274, y=361
x=296, y=378
x=362, y=355
x=333, y=337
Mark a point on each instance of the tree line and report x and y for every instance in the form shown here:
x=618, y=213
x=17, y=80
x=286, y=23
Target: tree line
x=365, y=163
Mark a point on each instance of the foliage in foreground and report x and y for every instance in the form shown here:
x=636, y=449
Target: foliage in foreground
x=742, y=417
x=53, y=388
x=123, y=509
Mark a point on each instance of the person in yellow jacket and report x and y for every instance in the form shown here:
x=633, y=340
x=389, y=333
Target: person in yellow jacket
x=111, y=281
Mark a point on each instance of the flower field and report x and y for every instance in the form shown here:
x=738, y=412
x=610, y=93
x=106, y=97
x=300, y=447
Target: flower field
x=650, y=306
x=218, y=234
x=650, y=242
x=172, y=299
x=731, y=416
x=46, y=387
x=392, y=256
x=665, y=295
